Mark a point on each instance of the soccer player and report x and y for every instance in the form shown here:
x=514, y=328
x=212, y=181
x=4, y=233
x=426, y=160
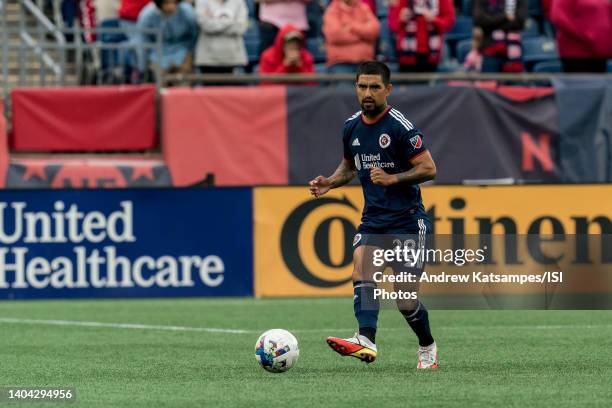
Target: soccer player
x=388, y=154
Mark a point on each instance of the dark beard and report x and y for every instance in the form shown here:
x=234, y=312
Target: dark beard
x=374, y=112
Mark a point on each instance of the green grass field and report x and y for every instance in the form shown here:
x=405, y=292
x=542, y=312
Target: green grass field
x=488, y=358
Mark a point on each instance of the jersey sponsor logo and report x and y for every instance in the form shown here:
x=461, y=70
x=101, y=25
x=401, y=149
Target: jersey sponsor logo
x=384, y=140
x=356, y=142
x=416, y=141
x=369, y=161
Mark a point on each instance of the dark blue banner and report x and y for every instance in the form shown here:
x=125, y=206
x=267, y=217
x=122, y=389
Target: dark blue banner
x=126, y=243
x=472, y=133
x=584, y=104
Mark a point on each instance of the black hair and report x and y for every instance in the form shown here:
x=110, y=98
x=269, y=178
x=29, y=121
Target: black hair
x=374, y=68
x=160, y=3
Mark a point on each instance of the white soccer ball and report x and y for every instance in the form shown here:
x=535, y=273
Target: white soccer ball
x=277, y=350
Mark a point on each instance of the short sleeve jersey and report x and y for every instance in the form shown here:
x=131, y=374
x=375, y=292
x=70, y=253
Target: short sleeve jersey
x=390, y=143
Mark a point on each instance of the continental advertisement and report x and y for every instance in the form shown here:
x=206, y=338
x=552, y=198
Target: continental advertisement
x=556, y=237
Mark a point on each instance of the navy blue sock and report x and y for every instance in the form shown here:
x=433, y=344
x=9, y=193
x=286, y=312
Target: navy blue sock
x=366, y=308
x=418, y=320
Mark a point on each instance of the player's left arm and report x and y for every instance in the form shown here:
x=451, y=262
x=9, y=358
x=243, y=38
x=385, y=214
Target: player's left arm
x=423, y=169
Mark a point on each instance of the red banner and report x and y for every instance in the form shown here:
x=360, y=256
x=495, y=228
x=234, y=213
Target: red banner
x=239, y=135
x=84, y=119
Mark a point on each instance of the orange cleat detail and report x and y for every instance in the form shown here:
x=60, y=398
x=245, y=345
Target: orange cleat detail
x=352, y=347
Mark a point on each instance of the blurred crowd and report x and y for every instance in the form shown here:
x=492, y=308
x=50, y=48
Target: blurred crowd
x=306, y=36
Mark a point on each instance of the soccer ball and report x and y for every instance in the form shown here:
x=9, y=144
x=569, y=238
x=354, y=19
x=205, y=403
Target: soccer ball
x=277, y=350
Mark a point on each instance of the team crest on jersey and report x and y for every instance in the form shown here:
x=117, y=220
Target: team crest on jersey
x=416, y=141
x=356, y=239
x=384, y=140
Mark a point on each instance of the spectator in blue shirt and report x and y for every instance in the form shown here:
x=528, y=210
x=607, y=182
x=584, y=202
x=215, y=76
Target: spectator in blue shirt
x=179, y=31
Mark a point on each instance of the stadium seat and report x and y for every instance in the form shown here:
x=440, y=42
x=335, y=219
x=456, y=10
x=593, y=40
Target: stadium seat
x=467, y=7
x=316, y=46
x=447, y=54
x=531, y=28
x=448, y=63
x=320, y=68
x=535, y=8
x=382, y=9
x=251, y=7
x=113, y=61
x=314, y=15
x=461, y=30
x=251, y=42
x=386, y=46
x=548, y=66
x=538, y=49
x=549, y=29
x=463, y=49
x=449, y=66
x=393, y=66
x=114, y=37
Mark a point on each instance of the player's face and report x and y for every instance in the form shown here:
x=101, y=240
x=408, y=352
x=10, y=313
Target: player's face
x=372, y=93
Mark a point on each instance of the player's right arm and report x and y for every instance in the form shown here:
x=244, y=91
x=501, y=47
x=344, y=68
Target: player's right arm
x=343, y=175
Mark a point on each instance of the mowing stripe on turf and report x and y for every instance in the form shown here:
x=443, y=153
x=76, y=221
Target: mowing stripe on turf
x=123, y=326
x=137, y=326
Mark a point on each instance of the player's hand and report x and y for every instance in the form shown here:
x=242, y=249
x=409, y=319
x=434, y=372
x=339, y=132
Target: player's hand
x=319, y=186
x=379, y=177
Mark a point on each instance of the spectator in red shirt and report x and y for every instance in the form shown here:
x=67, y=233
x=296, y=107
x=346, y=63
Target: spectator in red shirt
x=287, y=55
x=130, y=9
x=584, y=34
x=128, y=14
x=350, y=31
x=419, y=26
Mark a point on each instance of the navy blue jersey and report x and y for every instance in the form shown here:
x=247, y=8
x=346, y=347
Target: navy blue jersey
x=390, y=144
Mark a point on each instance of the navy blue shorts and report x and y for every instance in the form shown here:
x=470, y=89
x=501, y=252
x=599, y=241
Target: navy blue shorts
x=412, y=236
x=367, y=235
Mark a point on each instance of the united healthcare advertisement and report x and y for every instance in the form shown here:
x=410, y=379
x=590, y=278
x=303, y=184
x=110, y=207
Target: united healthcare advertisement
x=125, y=243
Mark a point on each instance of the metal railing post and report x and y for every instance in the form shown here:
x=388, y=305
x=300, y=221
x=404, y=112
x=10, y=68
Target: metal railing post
x=22, y=28
x=5, y=52
x=158, y=69
x=57, y=14
x=41, y=39
x=77, y=40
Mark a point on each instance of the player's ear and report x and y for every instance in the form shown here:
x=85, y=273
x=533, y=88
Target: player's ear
x=389, y=89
